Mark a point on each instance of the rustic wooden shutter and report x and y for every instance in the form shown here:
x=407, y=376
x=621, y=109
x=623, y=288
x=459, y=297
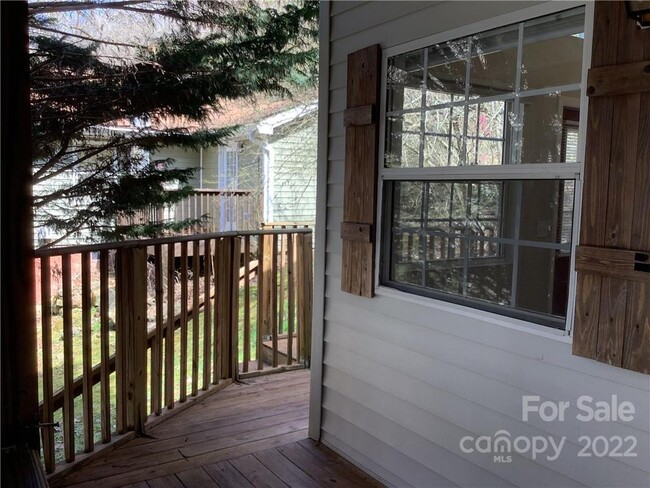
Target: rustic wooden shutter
x=361, y=143
x=612, y=322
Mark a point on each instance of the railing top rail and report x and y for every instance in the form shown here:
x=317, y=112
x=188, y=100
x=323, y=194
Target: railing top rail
x=58, y=251
x=224, y=191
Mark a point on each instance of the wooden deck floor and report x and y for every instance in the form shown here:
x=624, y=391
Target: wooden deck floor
x=249, y=434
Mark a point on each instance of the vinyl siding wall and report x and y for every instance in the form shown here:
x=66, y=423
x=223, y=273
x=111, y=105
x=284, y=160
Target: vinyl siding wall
x=404, y=378
x=294, y=180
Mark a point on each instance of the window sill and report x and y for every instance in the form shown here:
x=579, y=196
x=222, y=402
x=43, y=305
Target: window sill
x=484, y=316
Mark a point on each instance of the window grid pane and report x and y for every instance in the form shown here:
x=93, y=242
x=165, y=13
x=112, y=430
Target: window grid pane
x=497, y=244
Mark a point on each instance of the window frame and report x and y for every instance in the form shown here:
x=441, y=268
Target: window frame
x=543, y=171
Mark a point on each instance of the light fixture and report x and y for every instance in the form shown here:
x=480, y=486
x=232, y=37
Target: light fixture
x=639, y=10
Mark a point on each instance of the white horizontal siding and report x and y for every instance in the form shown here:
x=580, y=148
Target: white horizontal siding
x=405, y=378
x=294, y=166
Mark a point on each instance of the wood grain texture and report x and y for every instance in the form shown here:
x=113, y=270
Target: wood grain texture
x=86, y=341
x=351, y=231
x=131, y=305
x=585, y=327
x=184, y=324
x=255, y=472
x=619, y=79
x=637, y=328
x=196, y=302
x=616, y=263
x=596, y=171
x=247, y=302
x=611, y=302
x=169, y=335
x=105, y=391
x=618, y=231
x=291, y=284
x=68, y=379
x=640, y=220
x=274, y=299
x=157, y=345
x=360, y=187
x=235, y=437
x=611, y=324
x=606, y=24
x=357, y=116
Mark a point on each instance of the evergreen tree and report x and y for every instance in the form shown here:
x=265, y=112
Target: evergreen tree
x=83, y=94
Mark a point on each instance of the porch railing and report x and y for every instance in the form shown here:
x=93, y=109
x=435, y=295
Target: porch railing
x=224, y=210
x=132, y=331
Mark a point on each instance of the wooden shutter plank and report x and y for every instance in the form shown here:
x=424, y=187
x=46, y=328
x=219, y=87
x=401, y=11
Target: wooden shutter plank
x=612, y=303
x=361, y=142
x=596, y=173
x=585, y=333
x=357, y=116
x=619, y=79
x=640, y=221
x=611, y=324
x=360, y=174
x=599, y=126
x=637, y=328
x=625, y=121
x=615, y=263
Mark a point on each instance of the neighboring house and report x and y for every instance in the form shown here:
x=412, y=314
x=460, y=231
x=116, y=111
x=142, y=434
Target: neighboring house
x=266, y=173
x=273, y=156
x=460, y=164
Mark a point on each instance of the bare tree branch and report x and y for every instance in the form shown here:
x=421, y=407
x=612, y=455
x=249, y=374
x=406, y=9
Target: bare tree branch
x=85, y=38
x=54, y=7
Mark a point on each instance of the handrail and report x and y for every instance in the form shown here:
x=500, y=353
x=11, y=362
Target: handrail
x=270, y=269
x=225, y=191
x=59, y=251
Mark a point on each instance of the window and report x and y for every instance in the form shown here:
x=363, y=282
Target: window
x=480, y=165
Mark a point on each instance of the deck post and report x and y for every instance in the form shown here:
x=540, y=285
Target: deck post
x=131, y=338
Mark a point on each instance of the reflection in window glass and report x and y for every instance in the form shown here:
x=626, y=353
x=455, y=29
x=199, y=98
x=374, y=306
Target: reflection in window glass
x=498, y=242
x=461, y=232
x=472, y=91
x=552, y=51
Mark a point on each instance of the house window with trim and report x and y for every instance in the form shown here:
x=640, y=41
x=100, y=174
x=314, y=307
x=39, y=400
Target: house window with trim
x=480, y=168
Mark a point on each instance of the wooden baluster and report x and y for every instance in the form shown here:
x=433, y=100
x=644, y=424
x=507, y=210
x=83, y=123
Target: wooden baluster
x=274, y=298
x=169, y=333
x=260, y=307
x=68, y=353
x=196, y=256
x=86, y=337
x=207, y=313
x=235, y=256
x=46, y=322
x=300, y=295
x=247, y=303
x=224, y=308
x=291, y=292
x=157, y=345
x=105, y=371
x=217, y=351
x=268, y=264
x=281, y=284
x=183, y=375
